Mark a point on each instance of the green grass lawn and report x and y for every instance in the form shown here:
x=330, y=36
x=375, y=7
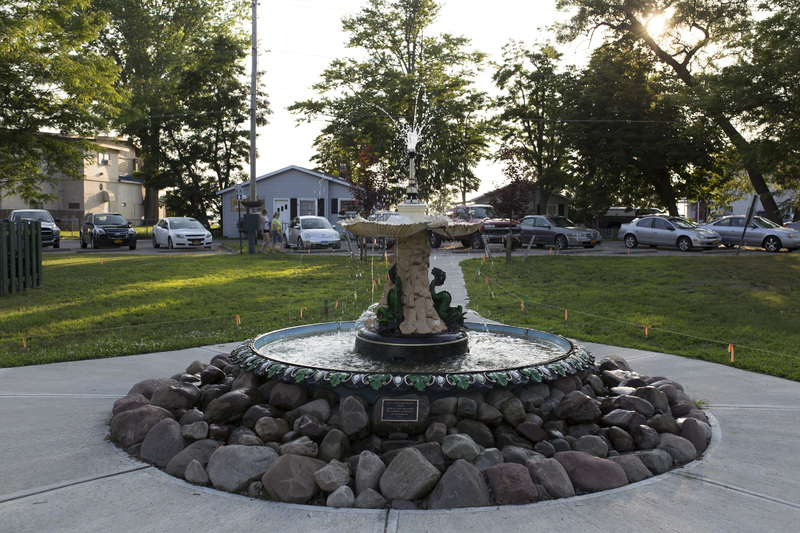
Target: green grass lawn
x=693, y=306
x=107, y=305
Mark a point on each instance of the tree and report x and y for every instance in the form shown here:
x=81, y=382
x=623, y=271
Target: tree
x=634, y=140
x=692, y=28
x=531, y=112
x=181, y=62
x=53, y=91
x=513, y=199
x=405, y=80
x=763, y=89
x=369, y=179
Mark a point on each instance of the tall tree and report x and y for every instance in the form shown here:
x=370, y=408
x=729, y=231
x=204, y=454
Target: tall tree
x=180, y=61
x=53, y=90
x=530, y=120
x=692, y=28
x=635, y=143
x=404, y=79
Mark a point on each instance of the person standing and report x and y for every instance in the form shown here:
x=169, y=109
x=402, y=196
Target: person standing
x=277, y=235
x=265, y=231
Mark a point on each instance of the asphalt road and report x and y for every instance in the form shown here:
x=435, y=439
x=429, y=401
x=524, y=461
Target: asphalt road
x=613, y=247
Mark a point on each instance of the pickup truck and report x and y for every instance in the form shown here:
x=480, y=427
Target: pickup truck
x=494, y=230
x=51, y=234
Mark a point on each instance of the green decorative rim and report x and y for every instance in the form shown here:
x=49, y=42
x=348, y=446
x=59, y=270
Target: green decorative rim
x=575, y=359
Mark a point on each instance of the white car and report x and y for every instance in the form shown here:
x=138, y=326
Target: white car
x=312, y=232
x=761, y=232
x=181, y=232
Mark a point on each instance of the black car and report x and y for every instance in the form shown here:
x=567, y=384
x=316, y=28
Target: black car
x=107, y=229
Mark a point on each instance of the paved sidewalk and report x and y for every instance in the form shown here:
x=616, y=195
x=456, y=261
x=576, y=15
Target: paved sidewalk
x=59, y=473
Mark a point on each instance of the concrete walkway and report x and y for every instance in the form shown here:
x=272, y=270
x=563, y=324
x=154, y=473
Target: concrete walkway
x=59, y=473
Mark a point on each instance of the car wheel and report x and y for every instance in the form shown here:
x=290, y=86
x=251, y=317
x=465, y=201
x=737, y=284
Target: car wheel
x=434, y=240
x=132, y=246
x=155, y=242
x=465, y=244
x=561, y=242
x=684, y=244
x=83, y=244
x=57, y=245
x=772, y=244
x=300, y=245
x=630, y=241
x=94, y=244
x=475, y=241
x=170, y=245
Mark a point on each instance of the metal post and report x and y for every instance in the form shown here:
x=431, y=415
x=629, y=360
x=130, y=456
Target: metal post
x=251, y=234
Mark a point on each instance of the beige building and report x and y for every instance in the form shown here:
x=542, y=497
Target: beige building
x=108, y=186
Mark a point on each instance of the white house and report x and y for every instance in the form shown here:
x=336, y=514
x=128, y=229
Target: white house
x=291, y=191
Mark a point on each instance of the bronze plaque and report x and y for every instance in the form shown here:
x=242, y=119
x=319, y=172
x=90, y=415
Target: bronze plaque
x=400, y=411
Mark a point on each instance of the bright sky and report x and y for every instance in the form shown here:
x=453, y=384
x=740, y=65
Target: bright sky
x=299, y=38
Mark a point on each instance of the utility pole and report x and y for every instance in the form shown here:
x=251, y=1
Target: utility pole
x=252, y=219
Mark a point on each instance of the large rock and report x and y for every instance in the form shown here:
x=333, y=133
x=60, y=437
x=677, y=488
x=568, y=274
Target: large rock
x=487, y=459
x=178, y=396
x=287, y=397
x=370, y=499
x=342, y=497
x=576, y=408
x=163, y=442
x=200, y=451
x=513, y=411
x=147, y=387
x=593, y=445
x=129, y=402
x=233, y=468
x=461, y=486
x=478, y=431
x=645, y=437
x=657, y=461
x=681, y=450
x=551, y=475
x=271, y=429
x=228, y=408
x=319, y=409
x=354, y=421
x=368, y=472
x=409, y=477
x=290, y=479
x=633, y=466
x=332, y=476
x=460, y=446
x=692, y=431
x=591, y=474
x=335, y=446
x=655, y=397
x=633, y=403
x=301, y=446
x=131, y=427
x=511, y=484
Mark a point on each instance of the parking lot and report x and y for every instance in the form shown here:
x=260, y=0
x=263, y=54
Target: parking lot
x=609, y=247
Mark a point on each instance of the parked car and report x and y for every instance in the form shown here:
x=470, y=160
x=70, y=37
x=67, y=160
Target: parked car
x=494, y=229
x=668, y=231
x=615, y=217
x=107, y=229
x=51, y=234
x=762, y=231
x=312, y=232
x=181, y=232
x=560, y=232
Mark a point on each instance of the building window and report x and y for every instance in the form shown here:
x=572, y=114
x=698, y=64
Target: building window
x=103, y=158
x=347, y=207
x=73, y=205
x=307, y=207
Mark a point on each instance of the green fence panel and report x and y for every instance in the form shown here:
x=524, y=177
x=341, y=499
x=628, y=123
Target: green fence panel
x=20, y=256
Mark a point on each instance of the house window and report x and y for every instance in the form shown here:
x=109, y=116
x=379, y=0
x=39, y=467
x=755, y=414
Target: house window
x=307, y=206
x=103, y=158
x=73, y=205
x=347, y=207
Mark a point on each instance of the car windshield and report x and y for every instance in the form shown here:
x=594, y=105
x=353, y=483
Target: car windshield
x=316, y=223
x=186, y=223
x=42, y=216
x=682, y=223
x=562, y=222
x=765, y=223
x=480, y=212
x=110, y=220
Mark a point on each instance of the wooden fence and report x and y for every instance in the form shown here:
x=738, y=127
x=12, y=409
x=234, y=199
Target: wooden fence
x=20, y=256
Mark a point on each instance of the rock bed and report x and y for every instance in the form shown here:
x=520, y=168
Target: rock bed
x=216, y=425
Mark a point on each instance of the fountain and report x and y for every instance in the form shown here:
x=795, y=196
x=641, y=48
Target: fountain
x=414, y=340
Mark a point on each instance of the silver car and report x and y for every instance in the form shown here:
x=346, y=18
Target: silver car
x=560, y=232
x=668, y=231
x=181, y=232
x=312, y=232
x=760, y=232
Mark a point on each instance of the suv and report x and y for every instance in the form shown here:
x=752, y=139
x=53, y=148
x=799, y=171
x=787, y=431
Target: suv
x=615, y=217
x=494, y=229
x=51, y=234
x=107, y=229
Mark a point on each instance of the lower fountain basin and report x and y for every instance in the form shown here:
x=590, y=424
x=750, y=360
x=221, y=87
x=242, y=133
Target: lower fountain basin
x=323, y=355
x=414, y=348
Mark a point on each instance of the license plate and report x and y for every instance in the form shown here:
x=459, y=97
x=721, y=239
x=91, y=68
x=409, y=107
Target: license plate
x=323, y=242
x=197, y=242
x=593, y=241
x=117, y=241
